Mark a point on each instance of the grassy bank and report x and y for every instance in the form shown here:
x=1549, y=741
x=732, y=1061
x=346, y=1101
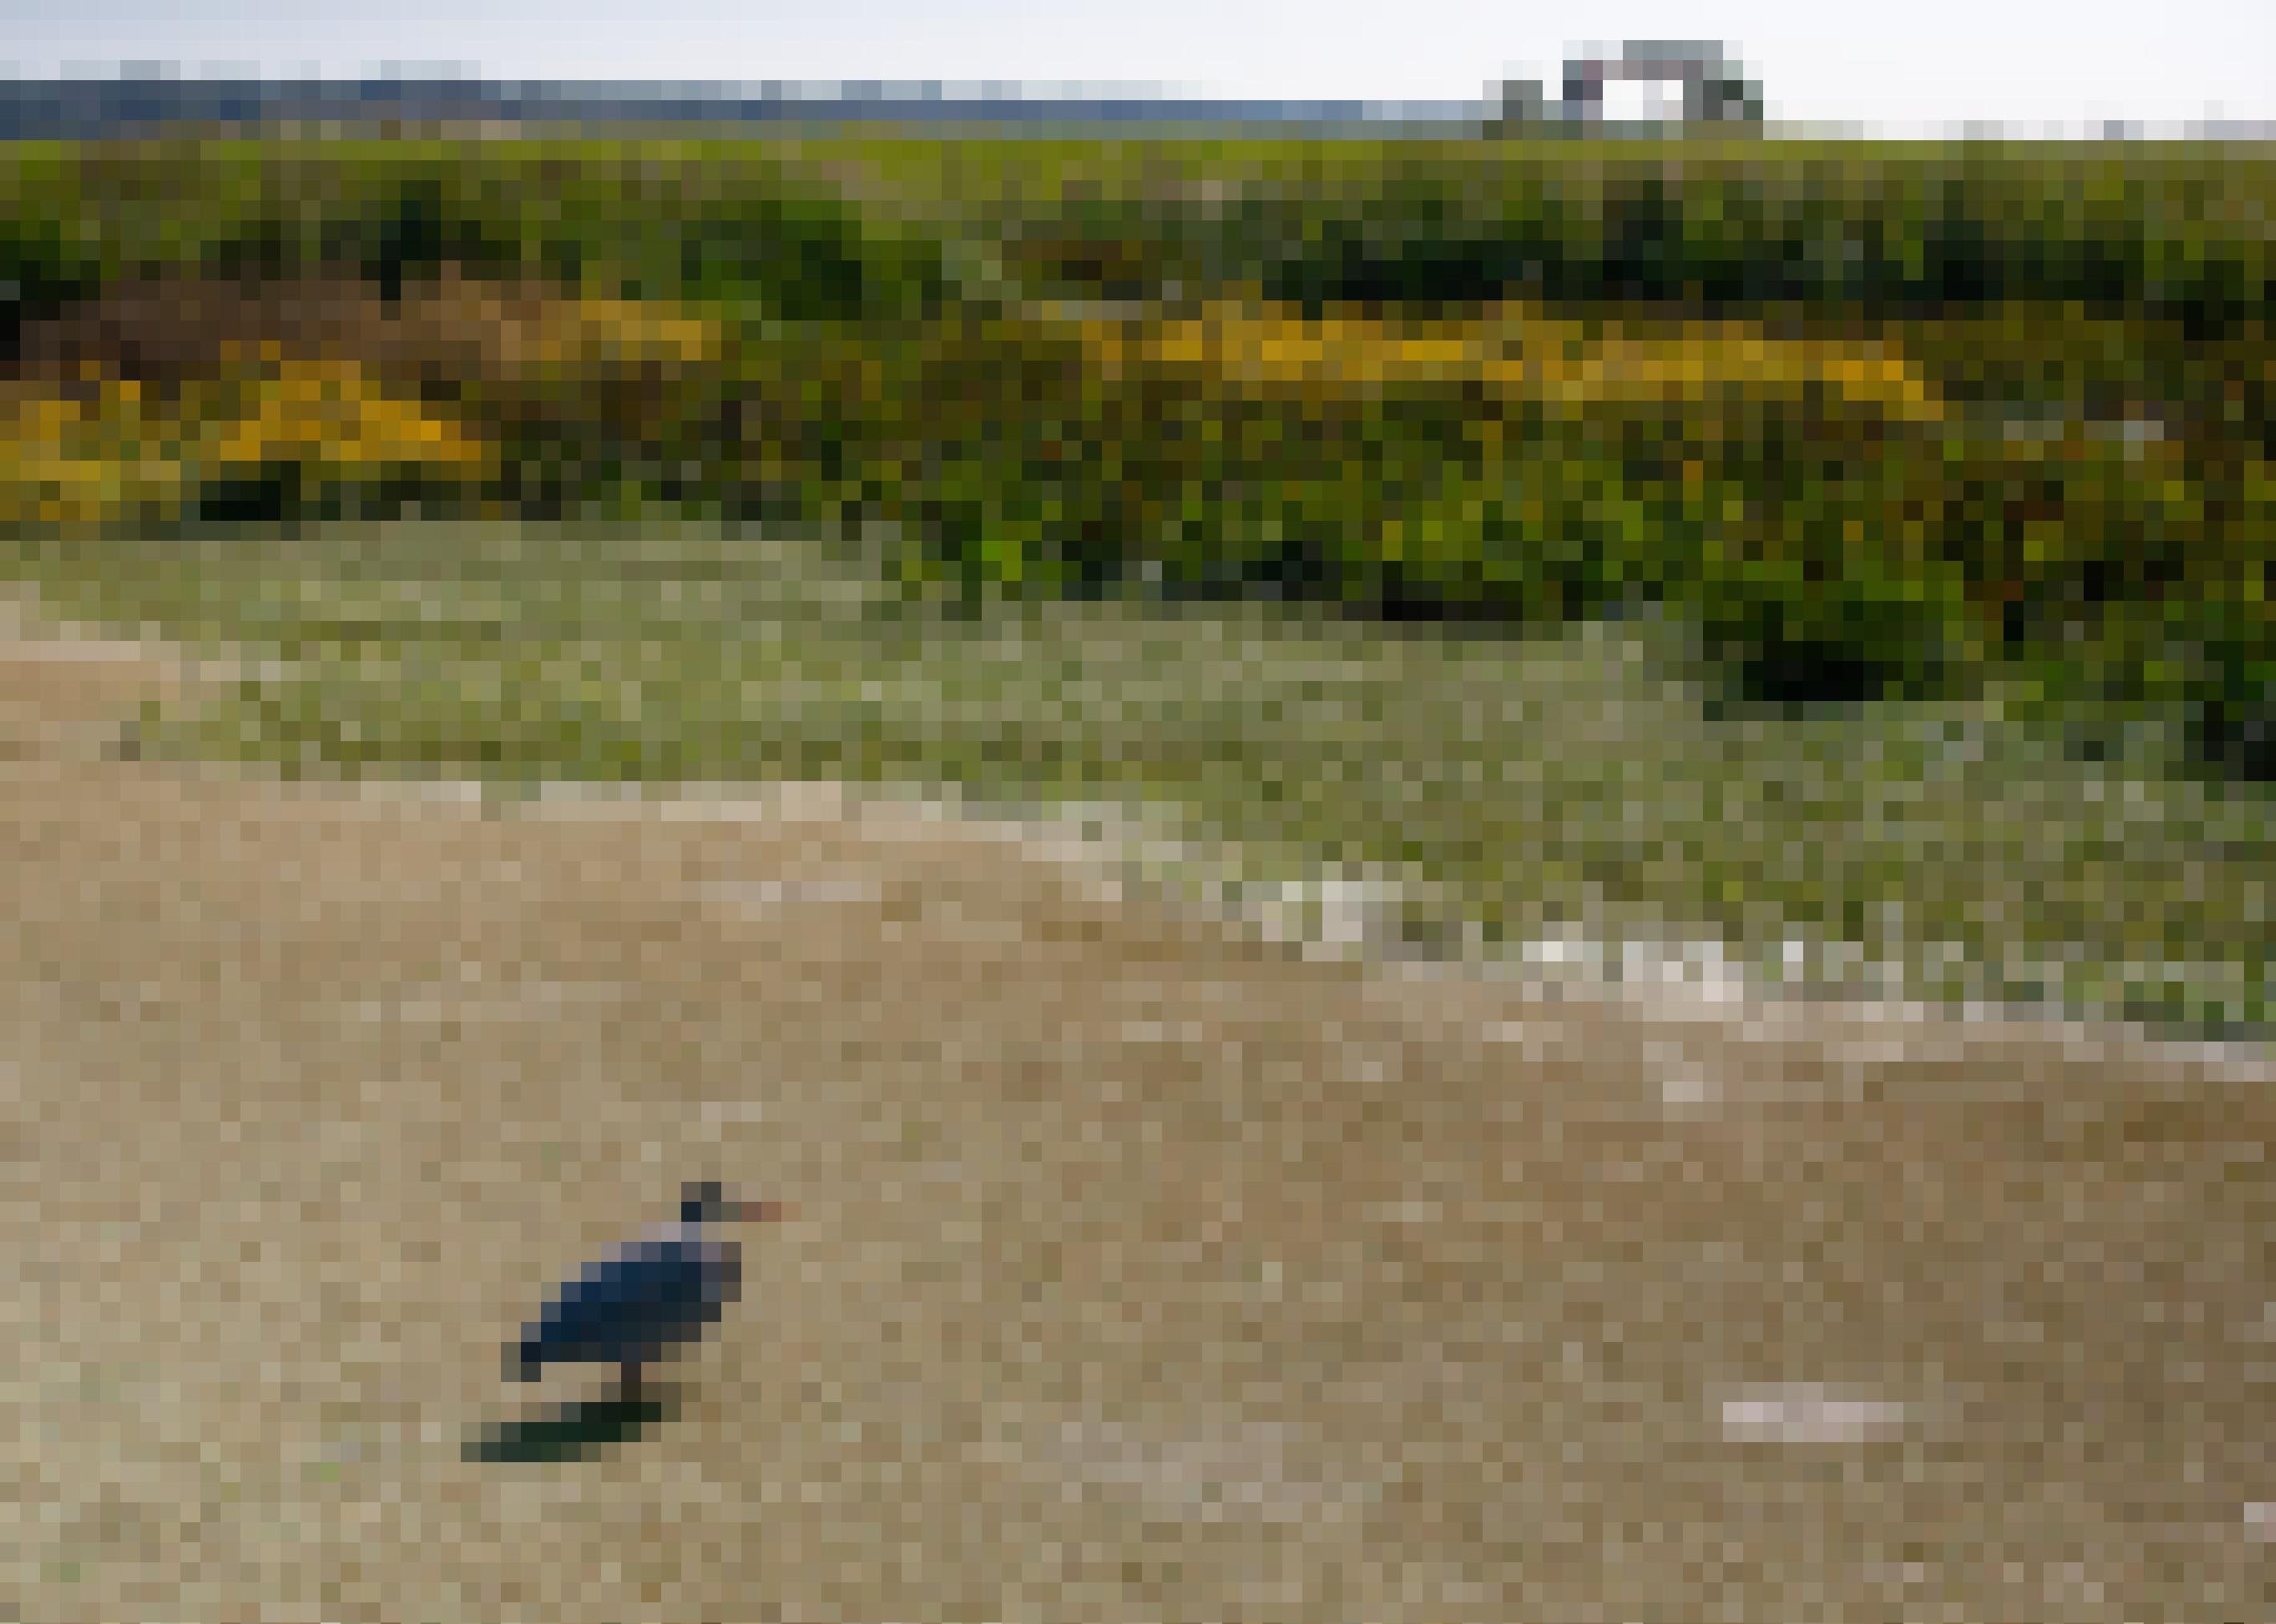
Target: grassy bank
x=1512, y=790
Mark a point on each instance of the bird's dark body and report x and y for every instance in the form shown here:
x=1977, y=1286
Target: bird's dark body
x=636, y=1304
x=645, y=1299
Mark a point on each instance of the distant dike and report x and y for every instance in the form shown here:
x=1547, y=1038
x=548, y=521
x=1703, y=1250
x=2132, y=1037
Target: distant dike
x=119, y=109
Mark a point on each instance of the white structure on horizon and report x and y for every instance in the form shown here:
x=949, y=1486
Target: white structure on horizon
x=1715, y=87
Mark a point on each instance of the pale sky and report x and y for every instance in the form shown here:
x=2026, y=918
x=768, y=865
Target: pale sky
x=1927, y=65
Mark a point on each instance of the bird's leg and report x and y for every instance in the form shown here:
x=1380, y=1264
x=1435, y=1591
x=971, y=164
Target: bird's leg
x=628, y=1386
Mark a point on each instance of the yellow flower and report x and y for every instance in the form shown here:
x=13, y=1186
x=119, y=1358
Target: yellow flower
x=1514, y=350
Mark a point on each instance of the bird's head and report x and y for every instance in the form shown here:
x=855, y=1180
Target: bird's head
x=706, y=1201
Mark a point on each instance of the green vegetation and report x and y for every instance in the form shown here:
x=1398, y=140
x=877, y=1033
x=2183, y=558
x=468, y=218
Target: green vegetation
x=660, y=220
x=1907, y=436
x=2170, y=231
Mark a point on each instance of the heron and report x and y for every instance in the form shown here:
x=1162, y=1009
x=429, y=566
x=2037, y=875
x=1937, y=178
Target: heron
x=645, y=1296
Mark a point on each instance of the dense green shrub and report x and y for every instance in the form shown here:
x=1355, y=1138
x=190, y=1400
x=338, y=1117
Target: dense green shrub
x=42, y=270
x=1822, y=593
x=718, y=222
x=2231, y=657
x=416, y=226
x=1885, y=230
